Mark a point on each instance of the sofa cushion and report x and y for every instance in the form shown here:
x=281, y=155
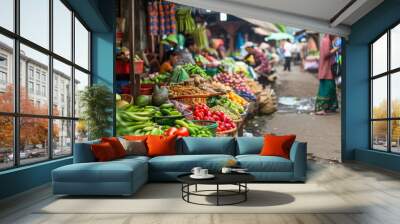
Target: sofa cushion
x=103, y=152
x=257, y=163
x=198, y=146
x=275, y=145
x=249, y=145
x=116, y=145
x=185, y=163
x=134, y=147
x=112, y=171
x=159, y=145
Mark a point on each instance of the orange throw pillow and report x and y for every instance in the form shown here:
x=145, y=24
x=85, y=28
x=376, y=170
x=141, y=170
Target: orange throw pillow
x=116, y=145
x=103, y=152
x=159, y=145
x=277, y=145
x=135, y=137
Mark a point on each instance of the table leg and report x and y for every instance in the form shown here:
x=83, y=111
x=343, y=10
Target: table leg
x=217, y=194
x=195, y=188
x=245, y=193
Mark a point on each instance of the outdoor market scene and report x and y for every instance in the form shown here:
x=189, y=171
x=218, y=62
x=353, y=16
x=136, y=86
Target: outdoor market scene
x=202, y=73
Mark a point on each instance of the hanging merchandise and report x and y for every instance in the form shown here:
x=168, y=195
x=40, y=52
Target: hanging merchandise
x=166, y=17
x=161, y=18
x=185, y=20
x=200, y=37
x=152, y=11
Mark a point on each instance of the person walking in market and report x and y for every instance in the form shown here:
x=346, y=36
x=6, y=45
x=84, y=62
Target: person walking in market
x=287, y=53
x=326, y=100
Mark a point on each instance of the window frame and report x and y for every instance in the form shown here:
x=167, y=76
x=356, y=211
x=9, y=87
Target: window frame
x=16, y=114
x=388, y=74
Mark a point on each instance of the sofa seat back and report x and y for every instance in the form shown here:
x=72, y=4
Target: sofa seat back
x=202, y=146
x=249, y=145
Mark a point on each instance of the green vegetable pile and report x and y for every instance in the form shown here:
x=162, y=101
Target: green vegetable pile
x=167, y=109
x=225, y=102
x=179, y=75
x=195, y=69
x=195, y=130
x=137, y=120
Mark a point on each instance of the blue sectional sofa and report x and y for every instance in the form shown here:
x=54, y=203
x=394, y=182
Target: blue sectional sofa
x=125, y=176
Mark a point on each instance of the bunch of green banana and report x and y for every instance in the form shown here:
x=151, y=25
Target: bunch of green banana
x=185, y=21
x=195, y=130
x=134, y=120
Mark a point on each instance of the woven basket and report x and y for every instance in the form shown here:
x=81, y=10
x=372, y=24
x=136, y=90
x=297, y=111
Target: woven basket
x=191, y=100
x=127, y=98
x=231, y=132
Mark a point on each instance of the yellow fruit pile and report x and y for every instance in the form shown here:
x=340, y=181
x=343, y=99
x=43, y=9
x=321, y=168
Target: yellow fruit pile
x=236, y=98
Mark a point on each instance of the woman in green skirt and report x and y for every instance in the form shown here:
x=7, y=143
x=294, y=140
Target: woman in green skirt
x=326, y=99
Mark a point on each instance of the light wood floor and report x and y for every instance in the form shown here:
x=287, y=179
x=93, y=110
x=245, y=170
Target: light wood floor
x=378, y=189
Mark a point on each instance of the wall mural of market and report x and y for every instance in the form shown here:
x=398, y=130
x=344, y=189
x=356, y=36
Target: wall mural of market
x=195, y=72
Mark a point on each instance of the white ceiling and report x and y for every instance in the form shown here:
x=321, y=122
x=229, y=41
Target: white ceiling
x=314, y=15
x=321, y=9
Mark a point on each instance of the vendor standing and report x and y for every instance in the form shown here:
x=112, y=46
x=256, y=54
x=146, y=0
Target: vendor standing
x=171, y=58
x=169, y=43
x=326, y=98
x=187, y=54
x=261, y=63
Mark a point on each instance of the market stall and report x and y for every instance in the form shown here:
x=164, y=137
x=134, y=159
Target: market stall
x=177, y=83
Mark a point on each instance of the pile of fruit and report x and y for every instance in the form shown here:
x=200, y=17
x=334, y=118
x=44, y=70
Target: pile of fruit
x=203, y=112
x=220, y=86
x=155, y=78
x=232, y=115
x=238, y=82
x=255, y=86
x=194, y=130
x=142, y=120
x=225, y=102
x=236, y=98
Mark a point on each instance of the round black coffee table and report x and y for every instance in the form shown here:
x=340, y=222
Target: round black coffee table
x=238, y=179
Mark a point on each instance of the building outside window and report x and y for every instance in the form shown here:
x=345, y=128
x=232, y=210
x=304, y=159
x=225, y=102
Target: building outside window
x=58, y=126
x=37, y=75
x=385, y=91
x=38, y=89
x=30, y=87
x=44, y=91
x=3, y=72
x=30, y=72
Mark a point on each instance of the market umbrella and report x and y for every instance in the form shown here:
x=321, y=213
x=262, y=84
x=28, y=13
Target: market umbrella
x=279, y=36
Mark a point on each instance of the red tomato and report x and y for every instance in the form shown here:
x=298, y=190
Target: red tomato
x=171, y=131
x=182, y=132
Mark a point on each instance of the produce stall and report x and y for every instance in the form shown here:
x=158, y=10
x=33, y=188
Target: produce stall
x=188, y=99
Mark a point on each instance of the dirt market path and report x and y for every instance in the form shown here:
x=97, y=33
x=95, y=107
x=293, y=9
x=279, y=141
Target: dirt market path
x=322, y=133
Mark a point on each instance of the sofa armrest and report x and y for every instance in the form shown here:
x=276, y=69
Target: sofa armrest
x=83, y=152
x=298, y=155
